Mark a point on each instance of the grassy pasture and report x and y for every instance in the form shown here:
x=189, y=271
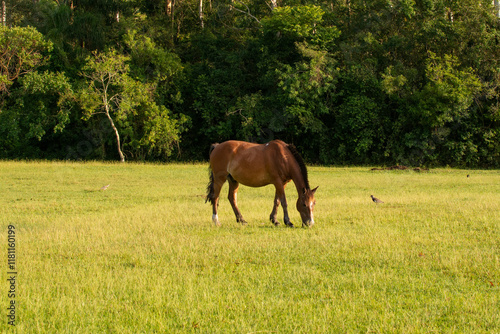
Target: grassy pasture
x=143, y=256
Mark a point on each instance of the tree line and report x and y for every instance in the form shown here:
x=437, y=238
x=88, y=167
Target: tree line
x=414, y=82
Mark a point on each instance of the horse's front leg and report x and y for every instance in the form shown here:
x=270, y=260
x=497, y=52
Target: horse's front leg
x=232, y=196
x=274, y=213
x=280, y=194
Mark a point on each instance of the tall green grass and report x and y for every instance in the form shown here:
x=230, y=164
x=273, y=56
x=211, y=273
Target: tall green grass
x=144, y=257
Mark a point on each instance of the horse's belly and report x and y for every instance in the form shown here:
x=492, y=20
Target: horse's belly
x=248, y=176
x=255, y=182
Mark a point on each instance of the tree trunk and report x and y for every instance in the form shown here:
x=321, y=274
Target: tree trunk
x=201, y=15
x=168, y=7
x=122, y=156
x=348, y=4
x=4, y=14
x=497, y=7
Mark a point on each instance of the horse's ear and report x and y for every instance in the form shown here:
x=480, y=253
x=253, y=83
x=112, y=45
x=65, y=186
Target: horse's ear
x=304, y=190
x=314, y=190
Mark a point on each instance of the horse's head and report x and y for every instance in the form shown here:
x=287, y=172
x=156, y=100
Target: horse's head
x=305, y=206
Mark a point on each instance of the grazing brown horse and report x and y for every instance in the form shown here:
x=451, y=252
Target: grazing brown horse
x=257, y=165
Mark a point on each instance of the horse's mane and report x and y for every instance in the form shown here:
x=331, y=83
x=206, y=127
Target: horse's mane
x=300, y=162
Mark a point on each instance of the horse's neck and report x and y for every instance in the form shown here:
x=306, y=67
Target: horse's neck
x=297, y=177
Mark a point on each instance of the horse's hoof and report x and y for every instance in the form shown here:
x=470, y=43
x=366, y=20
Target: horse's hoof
x=290, y=225
x=215, y=220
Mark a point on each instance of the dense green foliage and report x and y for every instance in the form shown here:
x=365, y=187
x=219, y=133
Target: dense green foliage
x=347, y=81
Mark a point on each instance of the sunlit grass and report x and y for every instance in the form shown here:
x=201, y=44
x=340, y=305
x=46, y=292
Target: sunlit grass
x=143, y=255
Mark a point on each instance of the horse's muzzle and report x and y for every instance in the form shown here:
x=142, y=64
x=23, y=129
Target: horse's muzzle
x=308, y=223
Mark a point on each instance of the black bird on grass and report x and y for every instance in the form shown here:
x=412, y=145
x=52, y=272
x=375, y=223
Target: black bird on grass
x=376, y=200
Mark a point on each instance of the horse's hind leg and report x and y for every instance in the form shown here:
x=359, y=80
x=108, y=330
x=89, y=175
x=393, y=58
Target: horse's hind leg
x=232, y=196
x=214, y=188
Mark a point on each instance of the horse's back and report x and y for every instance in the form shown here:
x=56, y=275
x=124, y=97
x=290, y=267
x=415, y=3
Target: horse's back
x=228, y=149
x=231, y=148
x=249, y=163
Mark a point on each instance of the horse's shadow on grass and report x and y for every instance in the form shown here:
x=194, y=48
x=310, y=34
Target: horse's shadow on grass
x=269, y=226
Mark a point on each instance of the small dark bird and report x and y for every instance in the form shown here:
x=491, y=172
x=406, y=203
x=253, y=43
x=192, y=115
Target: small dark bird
x=376, y=200
x=468, y=175
x=105, y=187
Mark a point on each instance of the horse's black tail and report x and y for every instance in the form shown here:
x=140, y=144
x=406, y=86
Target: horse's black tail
x=212, y=148
x=210, y=186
